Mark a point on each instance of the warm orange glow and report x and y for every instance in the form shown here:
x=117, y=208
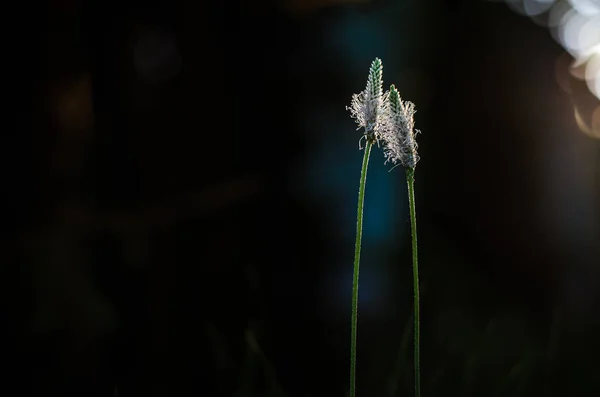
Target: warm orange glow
x=592, y=72
x=596, y=122
x=593, y=128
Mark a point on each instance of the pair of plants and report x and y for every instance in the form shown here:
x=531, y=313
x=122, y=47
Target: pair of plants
x=387, y=121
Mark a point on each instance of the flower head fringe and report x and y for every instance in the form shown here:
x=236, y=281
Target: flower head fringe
x=385, y=117
x=367, y=107
x=398, y=133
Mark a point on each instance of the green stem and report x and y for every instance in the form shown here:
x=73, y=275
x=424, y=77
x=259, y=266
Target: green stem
x=410, y=180
x=359, y=221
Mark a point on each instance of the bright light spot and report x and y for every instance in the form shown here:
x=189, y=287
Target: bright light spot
x=556, y=18
x=575, y=24
x=589, y=37
x=592, y=72
x=588, y=8
x=570, y=32
x=596, y=122
x=557, y=13
x=579, y=33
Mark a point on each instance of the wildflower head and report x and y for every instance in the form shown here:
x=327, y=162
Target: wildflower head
x=366, y=107
x=398, y=133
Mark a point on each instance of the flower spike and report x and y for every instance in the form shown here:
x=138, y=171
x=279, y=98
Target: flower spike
x=398, y=133
x=367, y=107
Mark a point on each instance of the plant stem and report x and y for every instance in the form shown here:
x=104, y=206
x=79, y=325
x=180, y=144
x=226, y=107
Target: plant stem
x=410, y=180
x=359, y=221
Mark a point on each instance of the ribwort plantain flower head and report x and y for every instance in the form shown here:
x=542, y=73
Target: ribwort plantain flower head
x=367, y=107
x=398, y=133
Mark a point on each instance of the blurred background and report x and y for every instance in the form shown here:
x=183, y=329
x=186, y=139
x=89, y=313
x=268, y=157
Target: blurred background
x=181, y=181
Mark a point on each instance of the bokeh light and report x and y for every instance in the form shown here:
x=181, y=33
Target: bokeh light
x=592, y=72
x=575, y=24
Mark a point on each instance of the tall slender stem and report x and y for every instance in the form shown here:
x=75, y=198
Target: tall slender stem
x=410, y=180
x=359, y=221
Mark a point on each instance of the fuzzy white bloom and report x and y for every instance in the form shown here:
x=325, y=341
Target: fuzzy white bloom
x=398, y=133
x=367, y=107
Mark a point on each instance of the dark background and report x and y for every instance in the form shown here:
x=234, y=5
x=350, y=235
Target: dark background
x=180, y=186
